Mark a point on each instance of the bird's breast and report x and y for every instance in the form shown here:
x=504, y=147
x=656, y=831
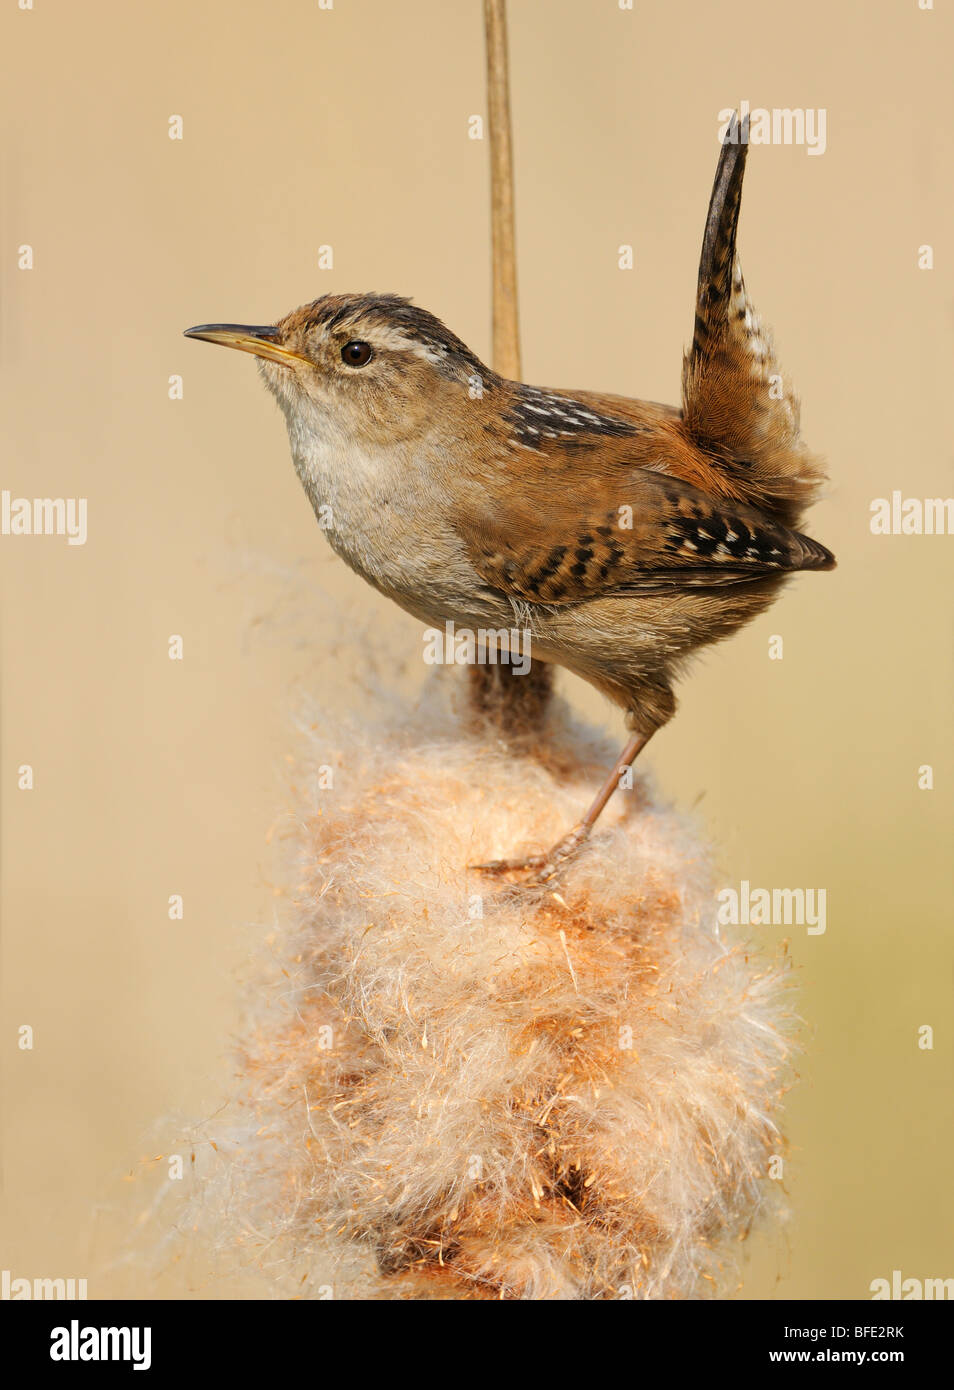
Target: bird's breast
x=385, y=515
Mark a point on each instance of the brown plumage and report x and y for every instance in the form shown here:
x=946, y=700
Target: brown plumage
x=622, y=534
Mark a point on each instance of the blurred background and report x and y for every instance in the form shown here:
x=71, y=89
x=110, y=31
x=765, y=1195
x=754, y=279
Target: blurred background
x=347, y=127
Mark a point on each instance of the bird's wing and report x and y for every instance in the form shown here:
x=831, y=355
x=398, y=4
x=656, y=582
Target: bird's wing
x=737, y=404
x=587, y=538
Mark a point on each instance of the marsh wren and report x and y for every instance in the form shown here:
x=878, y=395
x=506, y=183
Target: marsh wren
x=623, y=534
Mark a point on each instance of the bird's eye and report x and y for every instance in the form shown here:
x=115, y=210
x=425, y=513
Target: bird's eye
x=356, y=354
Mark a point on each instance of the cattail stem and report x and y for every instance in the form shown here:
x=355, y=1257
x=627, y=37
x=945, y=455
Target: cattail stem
x=506, y=346
x=514, y=706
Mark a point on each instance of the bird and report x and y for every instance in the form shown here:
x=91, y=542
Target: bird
x=622, y=535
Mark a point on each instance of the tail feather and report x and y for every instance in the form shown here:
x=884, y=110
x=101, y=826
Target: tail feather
x=814, y=555
x=737, y=404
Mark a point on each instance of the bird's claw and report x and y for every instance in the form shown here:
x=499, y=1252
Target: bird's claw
x=540, y=870
x=509, y=866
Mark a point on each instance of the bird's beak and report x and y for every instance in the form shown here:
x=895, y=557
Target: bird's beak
x=262, y=342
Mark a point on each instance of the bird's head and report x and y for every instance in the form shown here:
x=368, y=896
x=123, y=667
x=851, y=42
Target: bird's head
x=373, y=367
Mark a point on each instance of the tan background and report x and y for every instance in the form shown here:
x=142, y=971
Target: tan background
x=349, y=127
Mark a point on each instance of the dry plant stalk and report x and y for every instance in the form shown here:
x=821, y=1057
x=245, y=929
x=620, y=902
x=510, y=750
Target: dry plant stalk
x=514, y=707
x=506, y=353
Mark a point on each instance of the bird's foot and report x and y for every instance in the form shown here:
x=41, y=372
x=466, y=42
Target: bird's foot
x=540, y=870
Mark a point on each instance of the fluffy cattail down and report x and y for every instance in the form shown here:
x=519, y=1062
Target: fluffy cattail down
x=446, y=1094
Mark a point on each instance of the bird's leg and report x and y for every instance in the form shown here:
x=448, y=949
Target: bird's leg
x=543, y=868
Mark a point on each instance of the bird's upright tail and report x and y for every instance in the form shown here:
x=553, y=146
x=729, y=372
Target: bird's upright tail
x=737, y=404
